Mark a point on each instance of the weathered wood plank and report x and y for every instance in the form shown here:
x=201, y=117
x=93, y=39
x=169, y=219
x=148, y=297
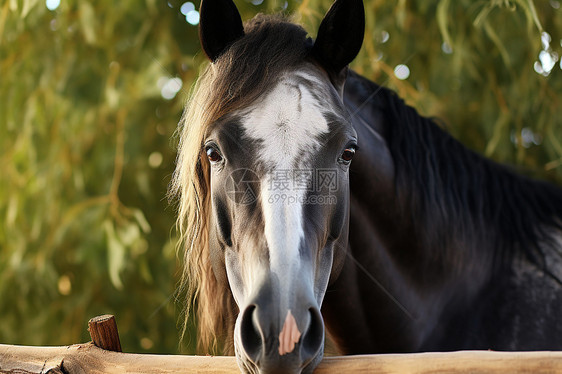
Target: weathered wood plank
x=87, y=358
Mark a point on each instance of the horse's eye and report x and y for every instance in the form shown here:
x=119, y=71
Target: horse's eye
x=347, y=155
x=213, y=155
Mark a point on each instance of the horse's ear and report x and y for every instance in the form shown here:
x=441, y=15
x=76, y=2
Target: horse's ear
x=219, y=26
x=340, y=36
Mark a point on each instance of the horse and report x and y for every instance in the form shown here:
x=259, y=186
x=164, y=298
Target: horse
x=314, y=202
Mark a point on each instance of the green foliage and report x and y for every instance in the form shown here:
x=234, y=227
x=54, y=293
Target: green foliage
x=86, y=138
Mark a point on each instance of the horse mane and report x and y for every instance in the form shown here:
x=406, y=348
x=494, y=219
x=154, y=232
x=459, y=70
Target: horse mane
x=251, y=66
x=458, y=196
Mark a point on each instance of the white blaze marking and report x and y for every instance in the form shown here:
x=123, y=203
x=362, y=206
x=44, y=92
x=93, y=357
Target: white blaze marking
x=287, y=123
x=289, y=335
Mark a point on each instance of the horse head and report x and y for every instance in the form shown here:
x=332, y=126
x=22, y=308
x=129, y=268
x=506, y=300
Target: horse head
x=263, y=177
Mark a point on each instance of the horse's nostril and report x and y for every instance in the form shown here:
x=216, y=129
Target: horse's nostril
x=250, y=336
x=313, y=338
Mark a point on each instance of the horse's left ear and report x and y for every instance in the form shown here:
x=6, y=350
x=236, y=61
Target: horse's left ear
x=340, y=37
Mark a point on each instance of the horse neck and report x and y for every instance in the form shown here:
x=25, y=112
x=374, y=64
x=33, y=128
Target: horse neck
x=430, y=220
x=407, y=260
x=420, y=262
x=413, y=188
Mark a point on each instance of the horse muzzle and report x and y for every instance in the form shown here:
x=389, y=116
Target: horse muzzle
x=274, y=338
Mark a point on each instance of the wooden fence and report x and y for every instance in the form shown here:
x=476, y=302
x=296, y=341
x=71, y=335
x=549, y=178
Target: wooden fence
x=89, y=358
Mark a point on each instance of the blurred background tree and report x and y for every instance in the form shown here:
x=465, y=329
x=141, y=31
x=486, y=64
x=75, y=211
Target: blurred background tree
x=90, y=95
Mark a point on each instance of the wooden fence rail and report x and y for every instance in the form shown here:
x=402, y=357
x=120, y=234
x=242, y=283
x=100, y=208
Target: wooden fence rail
x=88, y=358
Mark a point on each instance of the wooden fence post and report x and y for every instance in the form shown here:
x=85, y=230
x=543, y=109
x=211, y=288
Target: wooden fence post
x=103, y=330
